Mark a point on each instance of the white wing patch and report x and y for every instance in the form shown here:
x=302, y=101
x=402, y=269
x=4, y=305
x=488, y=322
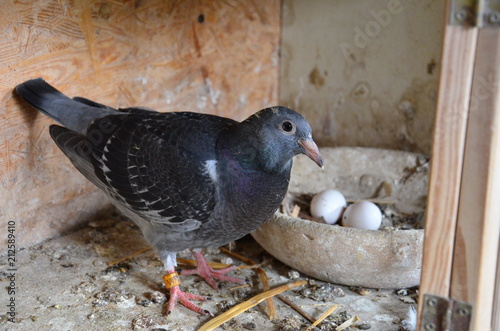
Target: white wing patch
x=211, y=169
x=105, y=169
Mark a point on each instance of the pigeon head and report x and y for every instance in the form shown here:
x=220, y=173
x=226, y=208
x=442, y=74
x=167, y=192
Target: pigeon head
x=274, y=136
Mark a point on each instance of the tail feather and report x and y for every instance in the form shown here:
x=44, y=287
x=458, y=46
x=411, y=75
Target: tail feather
x=73, y=114
x=92, y=103
x=40, y=95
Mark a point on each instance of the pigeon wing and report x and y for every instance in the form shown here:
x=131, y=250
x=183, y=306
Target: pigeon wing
x=156, y=165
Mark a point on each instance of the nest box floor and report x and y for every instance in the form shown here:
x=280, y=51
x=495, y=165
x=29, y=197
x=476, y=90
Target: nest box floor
x=66, y=284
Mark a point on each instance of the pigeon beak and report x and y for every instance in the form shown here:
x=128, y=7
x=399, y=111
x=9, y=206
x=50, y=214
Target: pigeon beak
x=312, y=151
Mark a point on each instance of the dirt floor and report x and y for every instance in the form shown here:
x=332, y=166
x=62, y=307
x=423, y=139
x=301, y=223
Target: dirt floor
x=66, y=284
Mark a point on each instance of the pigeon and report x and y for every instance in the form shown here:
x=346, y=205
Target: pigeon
x=188, y=180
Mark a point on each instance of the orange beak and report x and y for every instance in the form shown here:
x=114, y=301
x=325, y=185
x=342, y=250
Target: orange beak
x=312, y=151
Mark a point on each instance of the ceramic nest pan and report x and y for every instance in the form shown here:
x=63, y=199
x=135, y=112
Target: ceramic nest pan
x=387, y=258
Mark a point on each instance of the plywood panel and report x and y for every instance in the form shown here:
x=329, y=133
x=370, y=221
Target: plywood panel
x=218, y=57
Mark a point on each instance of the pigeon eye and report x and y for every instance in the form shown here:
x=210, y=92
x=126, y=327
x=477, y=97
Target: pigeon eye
x=288, y=127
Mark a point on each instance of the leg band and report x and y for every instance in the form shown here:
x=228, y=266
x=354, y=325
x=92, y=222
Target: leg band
x=171, y=280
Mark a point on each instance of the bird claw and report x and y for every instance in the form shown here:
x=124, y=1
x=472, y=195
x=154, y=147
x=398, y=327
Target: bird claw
x=209, y=274
x=176, y=295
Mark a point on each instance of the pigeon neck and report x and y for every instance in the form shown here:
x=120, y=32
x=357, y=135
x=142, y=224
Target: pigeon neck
x=250, y=153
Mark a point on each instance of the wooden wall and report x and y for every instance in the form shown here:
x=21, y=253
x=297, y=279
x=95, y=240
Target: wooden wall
x=364, y=72
x=218, y=57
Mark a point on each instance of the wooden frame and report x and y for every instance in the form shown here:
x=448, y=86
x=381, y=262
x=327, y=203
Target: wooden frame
x=461, y=258
x=478, y=224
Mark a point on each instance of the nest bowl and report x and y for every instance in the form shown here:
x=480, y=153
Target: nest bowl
x=388, y=258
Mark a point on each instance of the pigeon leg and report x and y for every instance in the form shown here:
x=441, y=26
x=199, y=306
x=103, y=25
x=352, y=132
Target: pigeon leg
x=172, y=282
x=209, y=274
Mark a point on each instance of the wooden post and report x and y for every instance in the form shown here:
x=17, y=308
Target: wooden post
x=447, y=155
x=478, y=227
x=462, y=232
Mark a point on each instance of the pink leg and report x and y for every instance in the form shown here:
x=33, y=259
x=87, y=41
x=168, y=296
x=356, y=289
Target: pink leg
x=172, y=282
x=205, y=271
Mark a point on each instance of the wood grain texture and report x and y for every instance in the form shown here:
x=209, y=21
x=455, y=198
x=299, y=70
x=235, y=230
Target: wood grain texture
x=158, y=54
x=447, y=154
x=478, y=228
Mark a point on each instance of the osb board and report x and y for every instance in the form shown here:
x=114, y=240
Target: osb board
x=364, y=72
x=218, y=57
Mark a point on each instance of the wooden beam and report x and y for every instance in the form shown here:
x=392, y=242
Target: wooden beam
x=457, y=61
x=447, y=155
x=478, y=226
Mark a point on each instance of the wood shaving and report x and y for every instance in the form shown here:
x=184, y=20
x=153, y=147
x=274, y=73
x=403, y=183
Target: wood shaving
x=244, y=306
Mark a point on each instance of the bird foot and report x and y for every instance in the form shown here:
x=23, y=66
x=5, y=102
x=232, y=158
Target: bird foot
x=209, y=274
x=172, y=282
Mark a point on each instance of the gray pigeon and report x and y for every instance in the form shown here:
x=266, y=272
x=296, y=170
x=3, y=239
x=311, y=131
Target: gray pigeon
x=188, y=180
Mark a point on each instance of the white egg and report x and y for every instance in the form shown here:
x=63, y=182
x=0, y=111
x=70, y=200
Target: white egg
x=362, y=215
x=328, y=205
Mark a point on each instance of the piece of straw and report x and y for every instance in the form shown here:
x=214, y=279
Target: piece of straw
x=253, y=266
x=377, y=201
x=182, y=261
x=309, y=217
x=295, y=211
x=238, y=287
x=296, y=308
x=129, y=257
x=322, y=317
x=242, y=307
x=238, y=256
x=347, y=323
x=271, y=309
x=193, y=263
